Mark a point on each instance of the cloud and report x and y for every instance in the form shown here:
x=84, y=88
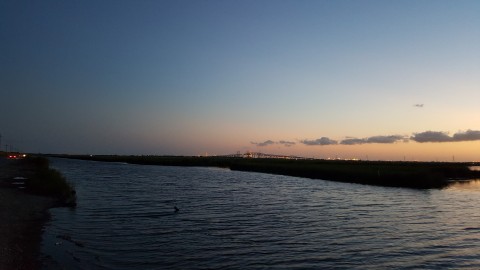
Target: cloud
x=321, y=141
x=469, y=135
x=418, y=105
x=438, y=136
x=431, y=136
x=265, y=143
x=270, y=142
x=352, y=141
x=286, y=143
x=386, y=139
x=374, y=139
x=422, y=137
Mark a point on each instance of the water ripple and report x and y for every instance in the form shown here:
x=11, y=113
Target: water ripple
x=242, y=220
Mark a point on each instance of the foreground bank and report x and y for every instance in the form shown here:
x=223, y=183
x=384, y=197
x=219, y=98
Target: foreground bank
x=28, y=188
x=420, y=175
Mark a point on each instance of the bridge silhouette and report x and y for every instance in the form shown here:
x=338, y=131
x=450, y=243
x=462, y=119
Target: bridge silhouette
x=249, y=154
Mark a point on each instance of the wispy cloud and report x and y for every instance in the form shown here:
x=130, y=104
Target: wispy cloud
x=422, y=137
x=352, y=141
x=374, y=139
x=286, y=143
x=439, y=136
x=321, y=141
x=386, y=139
x=270, y=142
x=265, y=143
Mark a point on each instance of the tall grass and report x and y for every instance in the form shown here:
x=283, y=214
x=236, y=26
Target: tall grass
x=383, y=173
x=50, y=182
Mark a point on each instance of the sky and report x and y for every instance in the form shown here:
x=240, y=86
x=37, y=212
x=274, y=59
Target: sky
x=387, y=80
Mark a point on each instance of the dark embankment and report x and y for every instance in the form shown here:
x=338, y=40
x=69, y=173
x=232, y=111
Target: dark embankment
x=49, y=182
x=28, y=188
x=395, y=174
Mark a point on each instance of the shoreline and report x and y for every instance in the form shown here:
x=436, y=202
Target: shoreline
x=23, y=214
x=22, y=228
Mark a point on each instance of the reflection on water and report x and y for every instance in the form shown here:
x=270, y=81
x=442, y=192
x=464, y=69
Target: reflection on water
x=468, y=185
x=474, y=168
x=125, y=220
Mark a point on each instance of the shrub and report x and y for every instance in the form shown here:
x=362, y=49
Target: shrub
x=50, y=182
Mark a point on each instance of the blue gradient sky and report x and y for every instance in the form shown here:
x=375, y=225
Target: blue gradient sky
x=189, y=77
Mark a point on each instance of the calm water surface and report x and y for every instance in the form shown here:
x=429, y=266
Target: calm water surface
x=240, y=220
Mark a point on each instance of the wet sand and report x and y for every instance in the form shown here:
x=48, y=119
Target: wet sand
x=22, y=218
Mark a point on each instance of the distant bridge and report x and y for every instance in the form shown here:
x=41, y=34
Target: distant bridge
x=261, y=155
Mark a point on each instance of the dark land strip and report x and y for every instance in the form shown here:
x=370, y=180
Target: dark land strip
x=420, y=175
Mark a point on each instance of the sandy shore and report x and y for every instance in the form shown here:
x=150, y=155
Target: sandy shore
x=22, y=218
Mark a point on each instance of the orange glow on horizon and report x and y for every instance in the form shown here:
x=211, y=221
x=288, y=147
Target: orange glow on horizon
x=409, y=151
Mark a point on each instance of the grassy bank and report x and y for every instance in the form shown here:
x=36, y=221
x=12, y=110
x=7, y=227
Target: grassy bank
x=373, y=173
x=396, y=174
x=49, y=182
x=28, y=188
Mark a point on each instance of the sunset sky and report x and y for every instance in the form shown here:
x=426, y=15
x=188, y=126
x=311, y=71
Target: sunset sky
x=373, y=80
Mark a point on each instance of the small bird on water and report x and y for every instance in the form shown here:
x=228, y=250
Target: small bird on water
x=176, y=209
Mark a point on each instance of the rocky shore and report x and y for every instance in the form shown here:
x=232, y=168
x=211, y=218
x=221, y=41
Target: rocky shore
x=23, y=216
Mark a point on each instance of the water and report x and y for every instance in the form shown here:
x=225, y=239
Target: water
x=240, y=220
x=474, y=168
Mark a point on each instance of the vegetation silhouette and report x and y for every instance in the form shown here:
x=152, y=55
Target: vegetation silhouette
x=49, y=182
x=420, y=175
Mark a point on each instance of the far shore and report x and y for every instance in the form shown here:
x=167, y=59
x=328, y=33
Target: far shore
x=419, y=175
